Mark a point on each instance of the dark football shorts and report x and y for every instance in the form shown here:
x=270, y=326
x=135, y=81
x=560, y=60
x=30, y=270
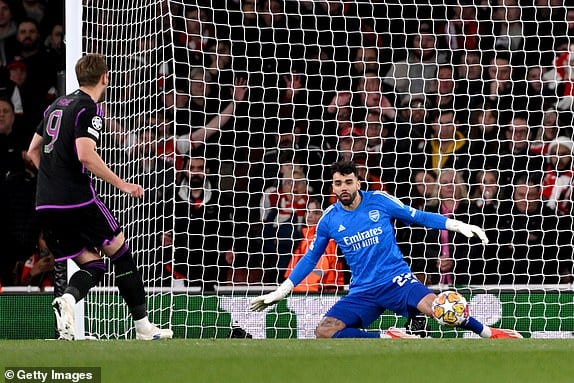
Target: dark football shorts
x=68, y=232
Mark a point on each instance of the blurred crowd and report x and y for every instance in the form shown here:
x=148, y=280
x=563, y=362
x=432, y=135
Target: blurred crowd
x=464, y=109
x=31, y=67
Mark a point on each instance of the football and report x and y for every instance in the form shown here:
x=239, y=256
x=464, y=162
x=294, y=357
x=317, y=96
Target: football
x=450, y=308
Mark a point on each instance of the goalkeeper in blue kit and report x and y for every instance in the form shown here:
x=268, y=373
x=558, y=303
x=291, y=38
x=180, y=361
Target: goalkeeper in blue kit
x=361, y=223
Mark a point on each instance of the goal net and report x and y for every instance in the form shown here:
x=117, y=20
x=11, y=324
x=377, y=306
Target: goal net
x=230, y=113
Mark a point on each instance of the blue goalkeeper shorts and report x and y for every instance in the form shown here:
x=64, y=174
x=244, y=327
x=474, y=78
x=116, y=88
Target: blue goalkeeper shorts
x=361, y=308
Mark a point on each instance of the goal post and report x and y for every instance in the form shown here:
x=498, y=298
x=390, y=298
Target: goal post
x=229, y=113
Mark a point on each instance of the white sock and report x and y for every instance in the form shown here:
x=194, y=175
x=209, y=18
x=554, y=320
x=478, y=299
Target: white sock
x=69, y=298
x=486, y=333
x=142, y=323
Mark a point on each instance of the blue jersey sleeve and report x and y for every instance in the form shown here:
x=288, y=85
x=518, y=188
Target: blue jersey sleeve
x=310, y=259
x=410, y=215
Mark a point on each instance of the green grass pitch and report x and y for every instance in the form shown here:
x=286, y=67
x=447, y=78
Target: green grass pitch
x=290, y=360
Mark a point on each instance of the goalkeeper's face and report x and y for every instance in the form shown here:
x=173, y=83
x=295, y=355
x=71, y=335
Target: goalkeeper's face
x=346, y=188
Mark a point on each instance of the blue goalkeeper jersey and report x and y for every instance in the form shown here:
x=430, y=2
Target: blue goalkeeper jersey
x=366, y=236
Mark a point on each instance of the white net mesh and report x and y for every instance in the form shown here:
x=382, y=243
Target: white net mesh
x=230, y=113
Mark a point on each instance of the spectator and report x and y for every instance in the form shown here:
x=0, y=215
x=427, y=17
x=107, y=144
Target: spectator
x=295, y=115
x=337, y=114
x=424, y=193
x=515, y=156
x=176, y=100
x=35, y=9
x=411, y=137
x=38, y=270
x=149, y=54
x=461, y=28
x=203, y=103
x=12, y=86
x=366, y=59
x=193, y=39
x=163, y=128
x=283, y=214
x=535, y=92
x=434, y=253
x=558, y=178
x=500, y=88
x=8, y=29
x=202, y=231
x=447, y=95
x=453, y=196
x=508, y=28
x=448, y=147
x=469, y=77
x=380, y=135
x=486, y=191
x=374, y=97
x=482, y=265
x=198, y=138
x=548, y=19
x=547, y=132
x=41, y=82
x=535, y=244
x=17, y=187
x=54, y=46
x=156, y=176
x=328, y=274
x=483, y=132
x=327, y=23
x=220, y=68
x=414, y=75
x=352, y=141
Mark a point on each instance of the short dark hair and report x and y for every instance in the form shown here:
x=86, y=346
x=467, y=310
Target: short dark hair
x=90, y=68
x=344, y=167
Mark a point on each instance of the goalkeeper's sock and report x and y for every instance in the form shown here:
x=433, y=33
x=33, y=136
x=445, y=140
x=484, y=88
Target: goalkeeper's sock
x=476, y=327
x=355, y=333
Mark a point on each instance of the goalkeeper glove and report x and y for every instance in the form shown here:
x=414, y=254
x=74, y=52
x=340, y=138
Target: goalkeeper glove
x=467, y=230
x=262, y=302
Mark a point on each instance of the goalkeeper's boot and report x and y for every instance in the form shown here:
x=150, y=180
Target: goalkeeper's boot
x=417, y=325
x=501, y=333
x=238, y=332
x=65, y=318
x=397, y=333
x=153, y=332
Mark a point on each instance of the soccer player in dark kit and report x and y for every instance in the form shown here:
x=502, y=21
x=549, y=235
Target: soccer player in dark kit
x=76, y=223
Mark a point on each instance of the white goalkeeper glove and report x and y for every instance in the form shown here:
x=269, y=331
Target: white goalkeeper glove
x=263, y=301
x=467, y=230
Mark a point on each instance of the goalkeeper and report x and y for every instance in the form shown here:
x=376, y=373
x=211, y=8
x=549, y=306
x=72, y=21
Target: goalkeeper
x=361, y=225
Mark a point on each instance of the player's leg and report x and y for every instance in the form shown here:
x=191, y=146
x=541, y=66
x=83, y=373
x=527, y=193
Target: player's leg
x=328, y=327
x=416, y=324
x=92, y=269
x=348, y=317
x=472, y=324
x=130, y=285
x=425, y=306
x=64, y=238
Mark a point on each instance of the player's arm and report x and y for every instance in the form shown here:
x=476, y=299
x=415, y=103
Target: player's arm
x=305, y=266
x=199, y=136
x=34, y=150
x=89, y=157
x=431, y=220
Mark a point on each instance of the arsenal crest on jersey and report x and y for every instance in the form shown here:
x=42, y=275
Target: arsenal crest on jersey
x=374, y=215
